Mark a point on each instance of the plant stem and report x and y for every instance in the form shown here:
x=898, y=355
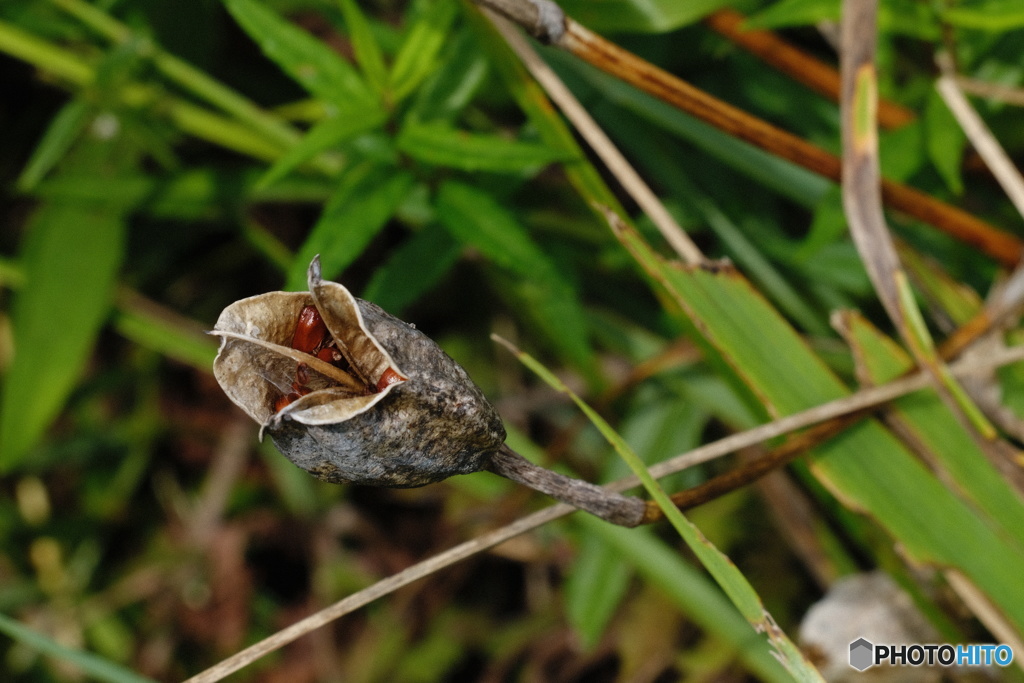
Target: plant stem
x=612, y=507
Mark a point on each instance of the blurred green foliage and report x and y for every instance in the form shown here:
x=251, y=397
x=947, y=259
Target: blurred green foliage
x=162, y=160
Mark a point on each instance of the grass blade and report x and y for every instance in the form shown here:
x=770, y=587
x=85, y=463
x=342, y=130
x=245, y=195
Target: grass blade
x=70, y=257
x=476, y=220
x=311, y=63
x=443, y=145
x=355, y=214
x=732, y=581
x=321, y=137
x=365, y=46
x=95, y=667
x=691, y=592
x=867, y=467
x=417, y=57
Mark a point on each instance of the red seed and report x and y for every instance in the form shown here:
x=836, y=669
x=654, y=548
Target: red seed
x=388, y=378
x=310, y=331
x=329, y=354
x=284, y=400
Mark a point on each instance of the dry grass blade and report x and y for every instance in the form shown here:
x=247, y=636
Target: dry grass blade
x=859, y=401
x=861, y=190
x=862, y=200
x=602, y=145
x=995, y=157
x=618, y=62
x=378, y=590
x=569, y=35
x=993, y=91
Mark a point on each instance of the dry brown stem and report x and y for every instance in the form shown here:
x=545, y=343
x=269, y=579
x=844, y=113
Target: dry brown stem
x=799, y=65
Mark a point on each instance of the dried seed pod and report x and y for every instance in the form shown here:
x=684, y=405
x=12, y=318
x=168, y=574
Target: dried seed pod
x=399, y=412
x=350, y=393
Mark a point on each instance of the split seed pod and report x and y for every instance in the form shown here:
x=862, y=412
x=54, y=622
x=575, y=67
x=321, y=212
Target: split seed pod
x=430, y=424
x=352, y=394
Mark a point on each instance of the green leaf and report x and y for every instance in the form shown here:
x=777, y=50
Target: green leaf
x=828, y=226
x=70, y=258
x=95, y=667
x=794, y=13
x=365, y=46
x=595, y=587
x=63, y=130
x=417, y=57
x=551, y=128
x=323, y=136
x=955, y=299
x=364, y=203
x=866, y=466
x=312, y=64
x=725, y=573
x=691, y=592
x=993, y=15
x=449, y=90
x=784, y=177
x=639, y=16
x=902, y=151
x=938, y=433
x=167, y=337
x=442, y=145
x=413, y=269
x=945, y=142
x=477, y=221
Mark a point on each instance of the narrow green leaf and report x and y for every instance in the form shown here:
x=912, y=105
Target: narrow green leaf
x=543, y=116
x=413, y=269
x=794, y=13
x=95, y=667
x=442, y=145
x=417, y=57
x=65, y=127
x=634, y=16
x=476, y=220
x=955, y=299
x=725, y=573
x=595, y=587
x=154, y=332
x=867, y=467
x=993, y=15
x=945, y=141
x=312, y=64
x=784, y=177
x=939, y=432
x=691, y=592
x=323, y=136
x=349, y=221
x=70, y=258
x=367, y=50
x=449, y=90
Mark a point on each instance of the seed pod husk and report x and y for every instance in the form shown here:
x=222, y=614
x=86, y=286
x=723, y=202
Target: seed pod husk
x=389, y=407
x=432, y=424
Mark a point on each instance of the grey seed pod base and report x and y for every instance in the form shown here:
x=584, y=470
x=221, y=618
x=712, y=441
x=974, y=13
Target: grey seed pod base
x=428, y=423
x=435, y=425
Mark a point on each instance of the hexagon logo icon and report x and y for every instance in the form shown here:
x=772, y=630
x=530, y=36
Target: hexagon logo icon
x=861, y=652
